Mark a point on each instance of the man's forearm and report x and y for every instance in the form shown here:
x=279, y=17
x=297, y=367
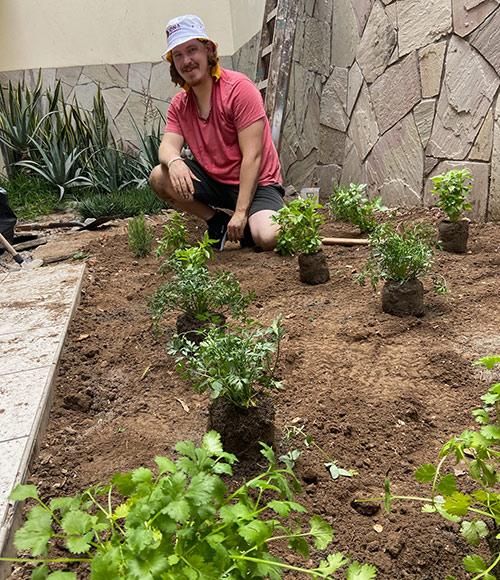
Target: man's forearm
x=249, y=176
x=167, y=152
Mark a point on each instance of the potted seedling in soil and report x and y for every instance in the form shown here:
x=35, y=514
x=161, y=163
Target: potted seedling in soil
x=299, y=223
x=452, y=189
x=351, y=204
x=398, y=257
x=180, y=521
x=203, y=297
x=238, y=368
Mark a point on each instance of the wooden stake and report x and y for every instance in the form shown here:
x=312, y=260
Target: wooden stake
x=345, y=241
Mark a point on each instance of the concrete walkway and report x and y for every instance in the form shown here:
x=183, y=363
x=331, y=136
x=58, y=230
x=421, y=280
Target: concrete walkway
x=36, y=307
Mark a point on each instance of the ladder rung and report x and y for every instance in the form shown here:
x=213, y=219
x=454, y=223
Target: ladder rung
x=267, y=50
x=272, y=14
x=262, y=85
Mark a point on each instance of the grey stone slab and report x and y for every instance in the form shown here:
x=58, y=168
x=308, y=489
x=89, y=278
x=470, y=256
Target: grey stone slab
x=481, y=150
x=20, y=314
x=115, y=99
x=391, y=103
x=69, y=74
x=467, y=15
x=11, y=457
x=494, y=198
x=326, y=177
x=160, y=85
x=362, y=8
x=421, y=22
x=42, y=282
x=469, y=87
x=84, y=94
x=331, y=146
x=395, y=165
x=353, y=169
x=431, y=60
x=345, y=37
x=105, y=75
x=479, y=193
x=21, y=395
x=363, y=129
x=138, y=76
x=377, y=44
x=354, y=86
x=486, y=39
x=23, y=351
x=316, y=51
x=424, y=117
x=334, y=100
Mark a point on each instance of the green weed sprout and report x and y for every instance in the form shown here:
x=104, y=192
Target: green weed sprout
x=299, y=223
x=351, y=204
x=452, y=189
x=180, y=520
x=140, y=236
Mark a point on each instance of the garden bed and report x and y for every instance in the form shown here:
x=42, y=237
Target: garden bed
x=379, y=394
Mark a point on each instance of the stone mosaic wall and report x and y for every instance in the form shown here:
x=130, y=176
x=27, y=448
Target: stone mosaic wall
x=391, y=92
x=137, y=90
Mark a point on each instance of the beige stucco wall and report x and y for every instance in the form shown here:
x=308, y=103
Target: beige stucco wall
x=247, y=18
x=55, y=33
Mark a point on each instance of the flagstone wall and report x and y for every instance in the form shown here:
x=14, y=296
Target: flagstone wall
x=391, y=92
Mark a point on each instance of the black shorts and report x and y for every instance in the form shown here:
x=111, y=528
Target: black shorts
x=224, y=196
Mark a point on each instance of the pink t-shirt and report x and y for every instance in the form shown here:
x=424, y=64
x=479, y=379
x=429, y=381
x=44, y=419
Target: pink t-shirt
x=236, y=104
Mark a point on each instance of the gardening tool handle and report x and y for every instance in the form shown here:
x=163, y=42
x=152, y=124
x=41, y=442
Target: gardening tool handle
x=17, y=257
x=345, y=241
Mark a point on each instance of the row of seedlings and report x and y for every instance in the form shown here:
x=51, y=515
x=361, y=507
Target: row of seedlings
x=400, y=254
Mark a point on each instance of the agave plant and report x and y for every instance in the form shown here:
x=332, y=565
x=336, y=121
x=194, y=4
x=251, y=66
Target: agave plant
x=111, y=169
x=149, y=144
x=20, y=114
x=58, y=166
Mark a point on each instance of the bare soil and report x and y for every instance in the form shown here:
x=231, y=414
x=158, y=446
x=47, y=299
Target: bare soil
x=380, y=394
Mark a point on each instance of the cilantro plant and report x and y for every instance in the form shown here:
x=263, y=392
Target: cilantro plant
x=235, y=363
x=299, y=223
x=351, y=204
x=199, y=293
x=175, y=235
x=473, y=501
x=452, y=189
x=180, y=522
x=398, y=254
x=140, y=236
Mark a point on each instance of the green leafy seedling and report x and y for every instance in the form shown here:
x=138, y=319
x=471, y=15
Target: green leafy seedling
x=452, y=189
x=180, y=520
x=299, y=223
x=351, y=204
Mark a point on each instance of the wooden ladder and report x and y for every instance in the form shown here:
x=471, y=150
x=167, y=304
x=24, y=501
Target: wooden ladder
x=275, y=56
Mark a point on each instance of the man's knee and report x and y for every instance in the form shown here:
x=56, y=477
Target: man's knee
x=159, y=181
x=265, y=237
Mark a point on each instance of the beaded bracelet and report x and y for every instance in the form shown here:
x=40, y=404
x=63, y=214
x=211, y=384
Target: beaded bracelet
x=172, y=160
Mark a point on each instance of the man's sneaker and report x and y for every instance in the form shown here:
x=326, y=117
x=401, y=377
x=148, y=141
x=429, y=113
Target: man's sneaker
x=217, y=229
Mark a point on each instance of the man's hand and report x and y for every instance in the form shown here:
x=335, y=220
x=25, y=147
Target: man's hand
x=182, y=179
x=236, y=226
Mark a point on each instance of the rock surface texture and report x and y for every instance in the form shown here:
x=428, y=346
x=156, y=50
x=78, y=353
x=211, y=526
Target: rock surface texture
x=412, y=90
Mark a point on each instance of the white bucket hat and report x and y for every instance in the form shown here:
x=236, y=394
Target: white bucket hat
x=182, y=29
